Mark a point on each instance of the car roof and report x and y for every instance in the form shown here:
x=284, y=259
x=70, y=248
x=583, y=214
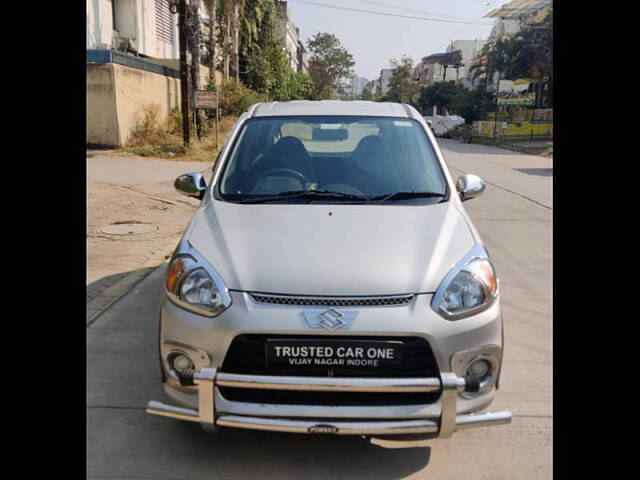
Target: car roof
x=330, y=107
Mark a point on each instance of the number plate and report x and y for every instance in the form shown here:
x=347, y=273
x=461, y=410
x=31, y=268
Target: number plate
x=333, y=353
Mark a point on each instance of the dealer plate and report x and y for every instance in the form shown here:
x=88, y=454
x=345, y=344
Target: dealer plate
x=333, y=353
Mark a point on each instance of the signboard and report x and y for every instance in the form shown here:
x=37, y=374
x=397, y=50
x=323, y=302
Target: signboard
x=516, y=92
x=206, y=100
x=447, y=58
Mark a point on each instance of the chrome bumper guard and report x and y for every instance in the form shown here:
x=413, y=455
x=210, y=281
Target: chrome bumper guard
x=449, y=384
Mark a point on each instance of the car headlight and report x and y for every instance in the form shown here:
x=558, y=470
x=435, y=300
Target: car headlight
x=470, y=286
x=193, y=284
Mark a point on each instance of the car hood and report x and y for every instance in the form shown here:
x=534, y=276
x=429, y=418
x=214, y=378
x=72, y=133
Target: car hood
x=336, y=249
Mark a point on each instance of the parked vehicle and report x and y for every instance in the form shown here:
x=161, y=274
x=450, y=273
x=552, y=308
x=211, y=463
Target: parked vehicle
x=463, y=132
x=444, y=125
x=331, y=281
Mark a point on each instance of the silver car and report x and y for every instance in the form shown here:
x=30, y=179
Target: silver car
x=331, y=281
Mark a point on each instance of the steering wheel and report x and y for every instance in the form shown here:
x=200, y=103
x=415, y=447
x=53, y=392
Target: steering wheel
x=288, y=172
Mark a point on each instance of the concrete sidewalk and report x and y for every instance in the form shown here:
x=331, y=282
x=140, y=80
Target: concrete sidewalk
x=134, y=220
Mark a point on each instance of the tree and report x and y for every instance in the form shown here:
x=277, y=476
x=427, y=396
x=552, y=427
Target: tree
x=472, y=104
x=439, y=94
x=366, y=94
x=210, y=6
x=402, y=87
x=264, y=66
x=480, y=67
x=261, y=52
x=509, y=59
x=329, y=65
x=538, y=49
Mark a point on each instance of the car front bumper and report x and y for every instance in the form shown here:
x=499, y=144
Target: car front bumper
x=450, y=385
x=206, y=341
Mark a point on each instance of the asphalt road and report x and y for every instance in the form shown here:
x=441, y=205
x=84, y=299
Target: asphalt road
x=514, y=217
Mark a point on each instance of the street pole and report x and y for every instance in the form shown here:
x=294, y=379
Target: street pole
x=495, y=123
x=194, y=40
x=184, y=71
x=217, y=112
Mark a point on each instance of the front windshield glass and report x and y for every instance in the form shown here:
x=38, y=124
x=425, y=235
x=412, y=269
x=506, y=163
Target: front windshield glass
x=343, y=158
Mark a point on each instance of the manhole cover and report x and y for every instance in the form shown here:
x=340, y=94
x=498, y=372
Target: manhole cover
x=128, y=229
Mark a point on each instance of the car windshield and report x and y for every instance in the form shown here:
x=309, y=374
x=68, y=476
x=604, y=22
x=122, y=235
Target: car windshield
x=332, y=159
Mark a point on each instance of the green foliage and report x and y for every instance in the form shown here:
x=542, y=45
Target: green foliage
x=472, y=104
x=509, y=58
x=469, y=104
x=264, y=66
x=329, y=66
x=440, y=94
x=537, y=45
x=235, y=98
x=260, y=46
x=402, y=87
x=529, y=54
x=367, y=94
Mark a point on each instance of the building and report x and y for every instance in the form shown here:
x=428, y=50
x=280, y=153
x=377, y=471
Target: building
x=459, y=57
x=373, y=86
x=146, y=28
x=469, y=50
x=291, y=35
x=356, y=86
x=132, y=65
x=424, y=73
x=383, y=80
x=431, y=68
x=512, y=16
x=303, y=62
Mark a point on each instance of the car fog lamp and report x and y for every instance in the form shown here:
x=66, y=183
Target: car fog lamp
x=182, y=363
x=479, y=368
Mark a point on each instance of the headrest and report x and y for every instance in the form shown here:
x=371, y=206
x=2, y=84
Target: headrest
x=373, y=157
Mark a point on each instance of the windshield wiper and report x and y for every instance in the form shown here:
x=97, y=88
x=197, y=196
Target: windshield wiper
x=309, y=194
x=406, y=195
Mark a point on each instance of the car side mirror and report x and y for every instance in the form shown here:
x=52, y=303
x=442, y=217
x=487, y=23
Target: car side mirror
x=191, y=184
x=469, y=186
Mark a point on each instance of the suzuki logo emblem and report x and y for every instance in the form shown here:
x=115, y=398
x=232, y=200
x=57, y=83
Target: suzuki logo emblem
x=330, y=319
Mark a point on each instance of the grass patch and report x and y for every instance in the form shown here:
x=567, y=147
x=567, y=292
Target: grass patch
x=153, y=136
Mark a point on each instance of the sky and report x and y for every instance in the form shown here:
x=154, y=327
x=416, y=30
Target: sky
x=375, y=39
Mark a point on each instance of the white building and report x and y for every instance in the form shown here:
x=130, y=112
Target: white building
x=132, y=65
x=511, y=16
x=291, y=34
x=428, y=71
x=143, y=27
x=356, y=86
x=469, y=49
x=383, y=80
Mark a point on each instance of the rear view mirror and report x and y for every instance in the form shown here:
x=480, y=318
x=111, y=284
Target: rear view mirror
x=469, y=186
x=191, y=185
x=329, y=132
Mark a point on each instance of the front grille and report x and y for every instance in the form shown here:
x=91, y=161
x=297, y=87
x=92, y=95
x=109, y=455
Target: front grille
x=395, y=300
x=246, y=355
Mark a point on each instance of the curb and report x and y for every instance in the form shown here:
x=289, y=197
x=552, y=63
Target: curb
x=114, y=293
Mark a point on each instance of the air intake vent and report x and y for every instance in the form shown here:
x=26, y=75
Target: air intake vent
x=397, y=300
